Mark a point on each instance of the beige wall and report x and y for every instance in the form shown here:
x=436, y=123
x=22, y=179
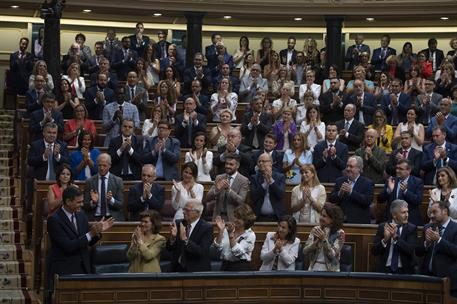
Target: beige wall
x=11, y=30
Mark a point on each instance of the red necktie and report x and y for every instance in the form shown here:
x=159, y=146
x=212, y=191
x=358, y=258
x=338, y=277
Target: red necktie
x=73, y=90
x=405, y=154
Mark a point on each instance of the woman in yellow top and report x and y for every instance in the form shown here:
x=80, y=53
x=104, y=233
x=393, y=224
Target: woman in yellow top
x=147, y=243
x=385, y=131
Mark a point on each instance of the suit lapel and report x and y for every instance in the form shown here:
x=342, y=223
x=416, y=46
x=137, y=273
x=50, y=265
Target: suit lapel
x=194, y=233
x=67, y=222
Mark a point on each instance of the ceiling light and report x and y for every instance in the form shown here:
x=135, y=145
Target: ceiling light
x=14, y=6
x=157, y=14
x=444, y=18
x=370, y=19
x=298, y=19
x=227, y=17
x=87, y=11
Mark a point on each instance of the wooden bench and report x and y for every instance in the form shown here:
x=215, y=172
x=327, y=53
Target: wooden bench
x=251, y=287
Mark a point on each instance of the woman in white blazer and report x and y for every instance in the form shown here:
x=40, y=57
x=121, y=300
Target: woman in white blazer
x=280, y=248
x=446, y=190
x=77, y=84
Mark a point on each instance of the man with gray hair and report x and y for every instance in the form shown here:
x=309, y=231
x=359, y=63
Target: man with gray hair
x=350, y=130
x=395, y=241
x=374, y=158
x=234, y=145
x=354, y=193
x=252, y=83
x=190, y=240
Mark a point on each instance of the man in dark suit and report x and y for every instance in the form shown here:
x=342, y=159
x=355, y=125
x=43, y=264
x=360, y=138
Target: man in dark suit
x=124, y=60
x=331, y=103
x=256, y=124
x=395, y=242
x=354, y=193
x=405, y=151
x=396, y=104
x=21, y=66
x=188, y=123
x=145, y=195
x=354, y=51
x=197, y=71
x=365, y=103
x=211, y=50
x=440, y=246
x=33, y=96
x=172, y=60
x=433, y=54
x=103, y=192
x=224, y=72
x=162, y=45
x=406, y=187
x=190, y=240
x=289, y=56
x=46, y=154
x=267, y=191
x=70, y=237
x=126, y=152
x=201, y=99
x=234, y=145
x=438, y=154
x=428, y=103
x=136, y=94
x=46, y=114
x=350, y=130
x=445, y=119
x=96, y=97
x=330, y=156
x=163, y=153
x=104, y=68
x=269, y=144
x=93, y=61
x=378, y=60
x=139, y=41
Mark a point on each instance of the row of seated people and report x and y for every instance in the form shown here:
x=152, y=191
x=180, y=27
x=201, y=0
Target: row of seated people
x=191, y=238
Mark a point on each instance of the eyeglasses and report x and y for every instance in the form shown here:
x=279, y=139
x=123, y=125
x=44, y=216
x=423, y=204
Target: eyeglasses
x=188, y=209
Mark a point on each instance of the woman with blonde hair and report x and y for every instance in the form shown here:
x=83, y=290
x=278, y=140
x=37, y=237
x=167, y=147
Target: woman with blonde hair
x=284, y=101
x=166, y=99
x=385, y=131
x=360, y=74
x=394, y=69
x=271, y=70
x=77, y=83
x=295, y=157
x=309, y=197
x=283, y=78
x=41, y=68
x=150, y=125
x=219, y=134
x=311, y=53
x=263, y=54
x=224, y=98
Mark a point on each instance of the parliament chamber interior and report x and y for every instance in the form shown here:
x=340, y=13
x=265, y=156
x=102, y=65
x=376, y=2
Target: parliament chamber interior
x=233, y=151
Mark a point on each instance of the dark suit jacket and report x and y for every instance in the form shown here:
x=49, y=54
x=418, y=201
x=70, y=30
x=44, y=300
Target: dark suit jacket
x=96, y=109
x=234, y=81
x=368, y=108
x=450, y=124
x=283, y=57
x=445, y=257
x=36, y=130
x=356, y=131
x=136, y=205
x=210, y=51
x=112, y=80
x=69, y=253
x=245, y=162
x=406, y=243
x=203, y=108
x=356, y=206
x=140, y=49
x=354, y=59
x=276, y=192
x=134, y=160
x=413, y=196
x=426, y=113
x=328, y=113
x=414, y=157
x=182, y=133
x=439, y=56
x=190, y=75
x=159, y=49
x=20, y=70
x=35, y=158
x=170, y=157
x=378, y=62
x=195, y=254
x=277, y=157
x=31, y=101
x=404, y=104
x=263, y=128
x=116, y=186
x=123, y=67
x=427, y=161
x=329, y=169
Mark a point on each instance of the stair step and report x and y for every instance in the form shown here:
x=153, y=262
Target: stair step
x=13, y=281
x=14, y=252
x=18, y=296
x=15, y=267
x=8, y=201
x=7, y=213
x=12, y=237
x=11, y=225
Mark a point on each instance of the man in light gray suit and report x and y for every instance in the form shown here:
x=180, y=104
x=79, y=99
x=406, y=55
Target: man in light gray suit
x=136, y=94
x=229, y=190
x=103, y=192
x=252, y=83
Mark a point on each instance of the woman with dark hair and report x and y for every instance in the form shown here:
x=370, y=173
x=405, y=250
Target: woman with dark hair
x=85, y=50
x=332, y=73
x=84, y=160
x=283, y=78
x=143, y=78
x=241, y=52
x=64, y=180
x=248, y=62
x=425, y=65
x=38, y=44
x=263, y=54
x=223, y=99
x=407, y=58
x=170, y=75
x=415, y=85
x=41, y=68
x=385, y=131
x=73, y=127
x=66, y=102
x=152, y=64
x=325, y=241
x=150, y=125
x=186, y=189
x=382, y=86
x=235, y=241
x=280, y=248
x=369, y=68
x=166, y=99
x=146, y=244
x=201, y=157
x=446, y=190
x=416, y=129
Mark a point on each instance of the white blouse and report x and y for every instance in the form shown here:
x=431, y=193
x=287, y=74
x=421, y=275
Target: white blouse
x=80, y=86
x=230, y=102
x=242, y=250
x=183, y=197
x=203, y=169
x=308, y=214
x=286, y=258
x=312, y=136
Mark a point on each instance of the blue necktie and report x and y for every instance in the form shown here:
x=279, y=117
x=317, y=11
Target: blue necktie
x=189, y=132
x=395, y=253
x=51, y=171
x=102, y=197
